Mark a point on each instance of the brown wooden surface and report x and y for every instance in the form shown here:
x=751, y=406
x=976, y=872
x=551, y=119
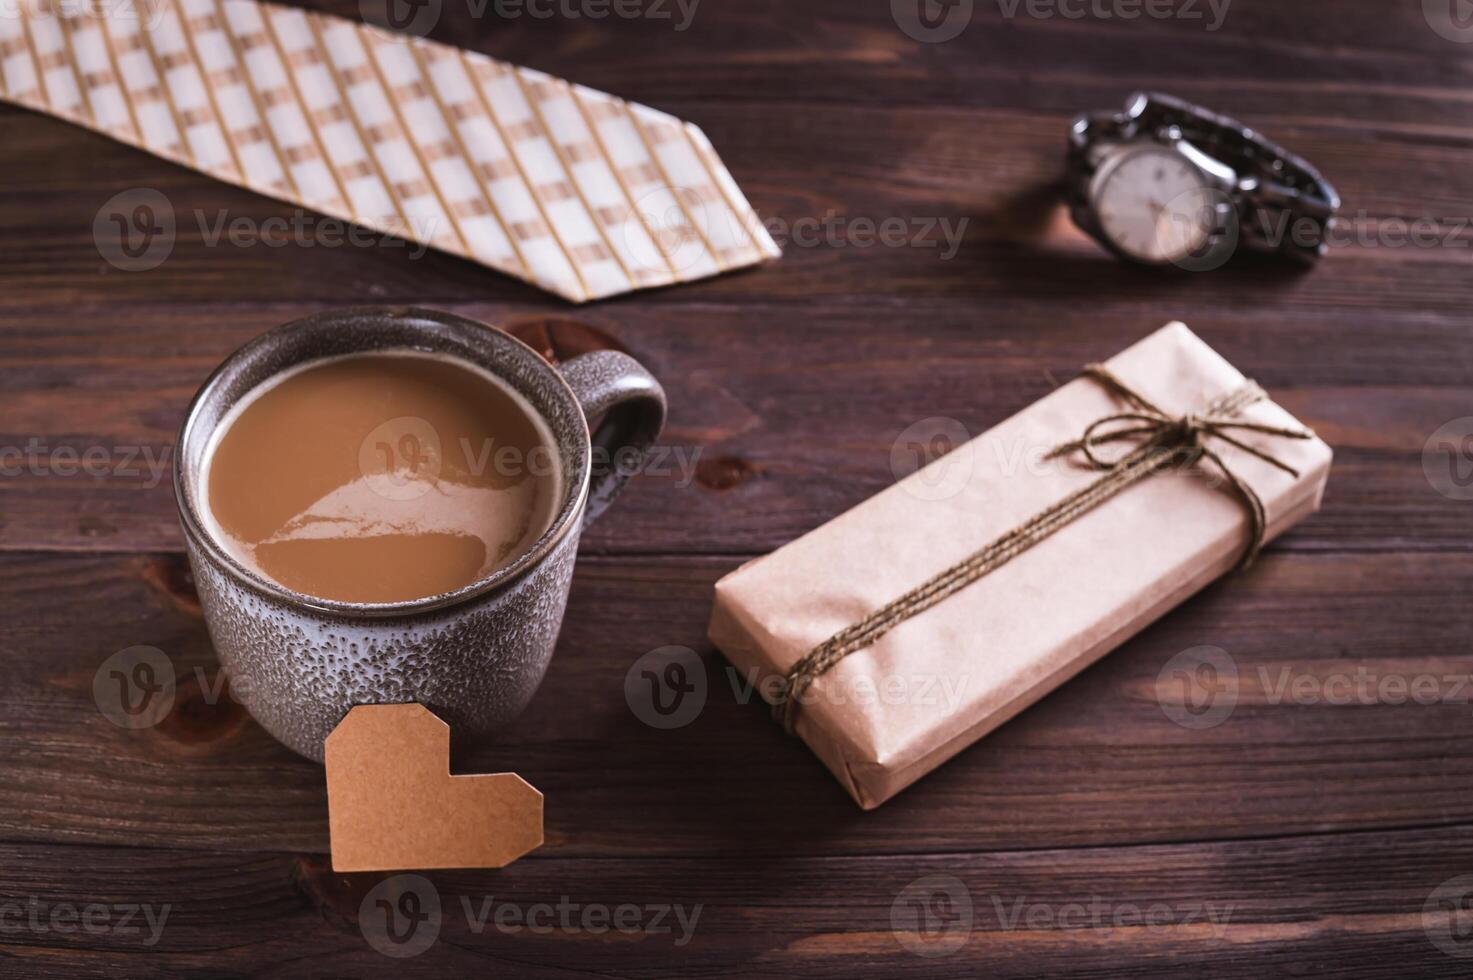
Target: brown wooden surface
x=1320, y=830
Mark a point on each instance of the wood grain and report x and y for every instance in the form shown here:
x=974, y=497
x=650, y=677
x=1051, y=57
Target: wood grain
x=1321, y=829
x=1098, y=763
x=1322, y=904
x=917, y=164
x=761, y=446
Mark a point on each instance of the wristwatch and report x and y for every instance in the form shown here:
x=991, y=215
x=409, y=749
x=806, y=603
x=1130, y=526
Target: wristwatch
x=1169, y=183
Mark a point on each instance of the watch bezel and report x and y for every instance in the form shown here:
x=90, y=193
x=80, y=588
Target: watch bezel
x=1113, y=156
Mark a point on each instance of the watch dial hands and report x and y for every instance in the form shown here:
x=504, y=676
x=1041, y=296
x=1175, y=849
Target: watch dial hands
x=1149, y=205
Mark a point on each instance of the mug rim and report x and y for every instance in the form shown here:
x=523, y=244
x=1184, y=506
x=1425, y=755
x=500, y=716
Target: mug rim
x=561, y=525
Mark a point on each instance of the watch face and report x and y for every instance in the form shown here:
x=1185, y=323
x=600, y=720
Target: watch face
x=1155, y=206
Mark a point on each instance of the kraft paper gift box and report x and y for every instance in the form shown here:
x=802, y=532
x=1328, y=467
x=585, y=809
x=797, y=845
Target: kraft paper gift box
x=887, y=714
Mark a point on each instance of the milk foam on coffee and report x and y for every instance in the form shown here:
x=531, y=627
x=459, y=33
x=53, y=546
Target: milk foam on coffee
x=380, y=477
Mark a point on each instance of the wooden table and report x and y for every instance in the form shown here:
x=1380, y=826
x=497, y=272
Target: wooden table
x=1092, y=836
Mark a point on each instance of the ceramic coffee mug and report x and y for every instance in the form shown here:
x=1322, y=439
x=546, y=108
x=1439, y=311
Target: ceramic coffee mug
x=475, y=655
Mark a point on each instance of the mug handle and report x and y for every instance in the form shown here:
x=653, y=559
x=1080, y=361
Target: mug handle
x=631, y=402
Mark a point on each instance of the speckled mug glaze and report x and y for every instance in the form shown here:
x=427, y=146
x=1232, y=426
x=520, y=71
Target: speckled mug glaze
x=476, y=655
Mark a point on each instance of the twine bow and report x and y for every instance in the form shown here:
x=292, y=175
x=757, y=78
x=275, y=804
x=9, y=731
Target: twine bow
x=1162, y=441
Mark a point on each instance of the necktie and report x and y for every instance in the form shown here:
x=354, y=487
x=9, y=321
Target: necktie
x=576, y=191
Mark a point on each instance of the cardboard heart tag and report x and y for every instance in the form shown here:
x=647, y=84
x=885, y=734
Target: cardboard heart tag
x=393, y=805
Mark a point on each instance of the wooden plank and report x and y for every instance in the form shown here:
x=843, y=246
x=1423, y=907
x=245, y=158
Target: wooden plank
x=1099, y=762
x=1348, y=59
x=772, y=430
x=1319, y=831
x=1347, y=905
x=994, y=167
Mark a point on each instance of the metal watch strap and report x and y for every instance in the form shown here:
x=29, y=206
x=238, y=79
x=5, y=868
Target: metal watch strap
x=1285, y=205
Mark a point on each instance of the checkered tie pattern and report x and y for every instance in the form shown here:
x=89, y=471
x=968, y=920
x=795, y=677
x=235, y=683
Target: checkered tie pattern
x=576, y=191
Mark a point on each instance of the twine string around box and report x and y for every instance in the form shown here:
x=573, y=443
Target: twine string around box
x=1164, y=442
